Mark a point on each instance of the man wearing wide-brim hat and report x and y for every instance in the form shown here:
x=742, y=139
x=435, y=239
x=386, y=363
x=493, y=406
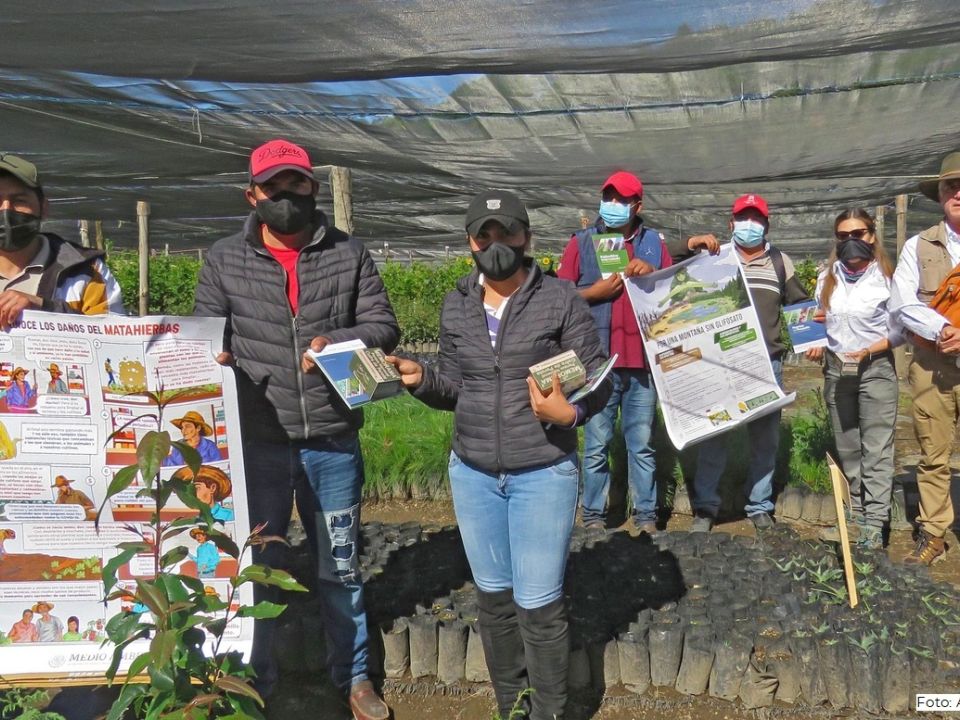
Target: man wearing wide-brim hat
x=68, y=496
x=49, y=627
x=56, y=385
x=194, y=430
x=927, y=259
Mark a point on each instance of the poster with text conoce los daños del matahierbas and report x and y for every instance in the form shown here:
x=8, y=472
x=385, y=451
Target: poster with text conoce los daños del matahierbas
x=77, y=394
x=705, y=345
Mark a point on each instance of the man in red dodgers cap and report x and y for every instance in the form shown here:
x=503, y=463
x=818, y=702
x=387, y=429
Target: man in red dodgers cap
x=634, y=395
x=289, y=281
x=773, y=283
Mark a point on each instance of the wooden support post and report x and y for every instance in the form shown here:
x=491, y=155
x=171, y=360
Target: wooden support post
x=85, y=233
x=900, y=359
x=880, y=221
x=341, y=185
x=166, y=248
x=200, y=254
x=901, y=222
x=386, y=250
x=143, y=229
x=98, y=233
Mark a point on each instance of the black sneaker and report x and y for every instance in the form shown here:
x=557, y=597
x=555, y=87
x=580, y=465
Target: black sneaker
x=762, y=521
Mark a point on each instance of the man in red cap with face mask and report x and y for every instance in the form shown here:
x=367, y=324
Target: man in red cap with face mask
x=634, y=396
x=773, y=283
x=289, y=281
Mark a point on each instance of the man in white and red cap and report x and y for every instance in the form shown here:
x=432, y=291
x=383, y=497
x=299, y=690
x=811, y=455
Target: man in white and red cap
x=773, y=283
x=634, y=396
x=289, y=281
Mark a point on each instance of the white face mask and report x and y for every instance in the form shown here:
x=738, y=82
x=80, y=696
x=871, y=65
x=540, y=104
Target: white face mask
x=748, y=233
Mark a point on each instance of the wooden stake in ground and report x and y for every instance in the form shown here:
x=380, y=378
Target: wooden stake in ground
x=841, y=497
x=143, y=231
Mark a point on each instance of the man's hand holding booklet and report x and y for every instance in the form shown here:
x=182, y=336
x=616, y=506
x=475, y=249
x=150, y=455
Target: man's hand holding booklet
x=359, y=374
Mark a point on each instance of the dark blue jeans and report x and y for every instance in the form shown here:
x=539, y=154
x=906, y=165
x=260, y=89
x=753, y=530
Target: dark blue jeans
x=326, y=475
x=764, y=438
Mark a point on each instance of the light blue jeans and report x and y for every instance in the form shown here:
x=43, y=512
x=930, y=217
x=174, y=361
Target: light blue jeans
x=516, y=526
x=635, y=397
x=764, y=439
x=326, y=475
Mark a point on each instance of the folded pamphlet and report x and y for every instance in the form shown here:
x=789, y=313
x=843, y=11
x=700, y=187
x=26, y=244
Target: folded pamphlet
x=567, y=365
x=611, y=251
x=805, y=332
x=359, y=374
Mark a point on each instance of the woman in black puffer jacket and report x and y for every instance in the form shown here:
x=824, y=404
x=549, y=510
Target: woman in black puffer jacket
x=513, y=467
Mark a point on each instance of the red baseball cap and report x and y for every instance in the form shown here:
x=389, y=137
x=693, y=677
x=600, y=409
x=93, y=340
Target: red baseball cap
x=276, y=156
x=751, y=201
x=624, y=183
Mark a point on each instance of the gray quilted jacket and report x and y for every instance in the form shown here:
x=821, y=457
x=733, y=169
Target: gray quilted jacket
x=486, y=387
x=341, y=298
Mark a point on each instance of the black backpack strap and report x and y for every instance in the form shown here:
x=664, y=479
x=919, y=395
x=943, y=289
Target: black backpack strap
x=776, y=257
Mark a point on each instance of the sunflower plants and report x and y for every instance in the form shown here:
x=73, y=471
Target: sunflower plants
x=186, y=672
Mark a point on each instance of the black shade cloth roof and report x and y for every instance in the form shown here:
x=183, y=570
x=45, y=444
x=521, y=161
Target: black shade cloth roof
x=816, y=105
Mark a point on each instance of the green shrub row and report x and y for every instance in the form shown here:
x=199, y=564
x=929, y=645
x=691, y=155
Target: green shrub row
x=173, y=281
x=416, y=290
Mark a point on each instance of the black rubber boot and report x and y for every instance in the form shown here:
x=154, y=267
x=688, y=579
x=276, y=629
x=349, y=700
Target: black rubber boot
x=545, y=636
x=503, y=648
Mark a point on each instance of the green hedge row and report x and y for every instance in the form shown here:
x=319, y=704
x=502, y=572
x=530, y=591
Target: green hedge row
x=416, y=290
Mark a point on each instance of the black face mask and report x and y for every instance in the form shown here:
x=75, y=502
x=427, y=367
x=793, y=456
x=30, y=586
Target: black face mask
x=853, y=249
x=17, y=229
x=498, y=261
x=287, y=212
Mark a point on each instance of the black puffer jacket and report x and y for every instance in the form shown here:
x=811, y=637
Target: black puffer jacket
x=486, y=387
x=341, y=298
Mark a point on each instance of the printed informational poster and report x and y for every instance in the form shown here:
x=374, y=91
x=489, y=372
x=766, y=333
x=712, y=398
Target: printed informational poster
x=75, y=399
x=705, y=346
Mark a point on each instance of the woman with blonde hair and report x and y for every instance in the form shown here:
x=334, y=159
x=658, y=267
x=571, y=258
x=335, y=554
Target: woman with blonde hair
x=860, y=380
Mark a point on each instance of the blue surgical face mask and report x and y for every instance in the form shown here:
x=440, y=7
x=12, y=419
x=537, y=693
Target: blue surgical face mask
x=615, y=214
x=748, y=233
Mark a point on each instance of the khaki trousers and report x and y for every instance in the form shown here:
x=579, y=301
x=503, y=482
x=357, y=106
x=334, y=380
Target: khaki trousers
x=935, y=383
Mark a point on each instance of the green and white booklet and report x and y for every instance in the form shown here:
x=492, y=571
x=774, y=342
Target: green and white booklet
x=611, y=251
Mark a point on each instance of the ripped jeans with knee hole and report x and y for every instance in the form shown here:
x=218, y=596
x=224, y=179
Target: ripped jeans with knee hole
x=327, y=477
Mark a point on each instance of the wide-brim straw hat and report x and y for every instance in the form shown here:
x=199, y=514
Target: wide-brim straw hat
x=949, y=170
x=207, y=474
x=197, y=419
x=42, y=603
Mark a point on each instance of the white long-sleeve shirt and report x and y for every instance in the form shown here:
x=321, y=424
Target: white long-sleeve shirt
x=859, y=315
x=908, y=311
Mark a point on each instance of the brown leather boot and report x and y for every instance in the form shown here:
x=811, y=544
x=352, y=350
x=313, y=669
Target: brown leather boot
x=365, y=704
x=928, y=551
